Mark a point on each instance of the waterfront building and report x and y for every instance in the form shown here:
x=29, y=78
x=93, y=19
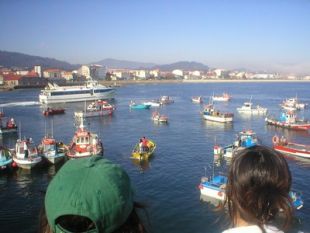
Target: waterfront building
x=11, y=80
x=178, y=73
x=52, y=73
x=97, y=72
x=84, y=71
x=38, y=70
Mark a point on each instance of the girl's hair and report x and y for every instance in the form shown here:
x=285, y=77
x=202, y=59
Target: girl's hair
x=75, y=223
x=258, y=186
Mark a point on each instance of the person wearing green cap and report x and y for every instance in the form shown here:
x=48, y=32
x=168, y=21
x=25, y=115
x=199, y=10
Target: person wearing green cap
x=90, y=195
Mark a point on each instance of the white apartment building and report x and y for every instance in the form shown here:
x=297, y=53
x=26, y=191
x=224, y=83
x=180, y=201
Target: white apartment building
x=84, y=71
x=177, y=73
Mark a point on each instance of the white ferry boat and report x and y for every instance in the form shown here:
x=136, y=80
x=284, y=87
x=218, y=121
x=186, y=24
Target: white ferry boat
x=92, y=90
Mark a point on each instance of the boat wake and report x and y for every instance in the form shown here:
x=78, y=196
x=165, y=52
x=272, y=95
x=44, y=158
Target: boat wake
x=24, y=103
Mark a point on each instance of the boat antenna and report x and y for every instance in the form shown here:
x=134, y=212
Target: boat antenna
x=20, y=130
x=52, y=128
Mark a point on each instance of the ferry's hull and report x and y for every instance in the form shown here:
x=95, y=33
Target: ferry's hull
x=77, y=155
x=45, y=99
x=93, y=113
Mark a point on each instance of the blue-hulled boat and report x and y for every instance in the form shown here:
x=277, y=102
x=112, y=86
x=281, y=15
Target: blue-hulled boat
x=133, y=105
x=5, y=158
x=215, y=188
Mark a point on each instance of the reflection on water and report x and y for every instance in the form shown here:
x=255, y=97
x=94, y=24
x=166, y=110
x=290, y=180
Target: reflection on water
x=210, y=200
x=143, y=165
x=217, y=125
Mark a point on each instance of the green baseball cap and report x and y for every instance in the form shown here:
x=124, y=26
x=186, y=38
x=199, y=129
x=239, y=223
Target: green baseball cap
x=93, y=188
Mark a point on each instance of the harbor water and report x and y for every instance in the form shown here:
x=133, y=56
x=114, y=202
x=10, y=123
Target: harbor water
x=168, y=183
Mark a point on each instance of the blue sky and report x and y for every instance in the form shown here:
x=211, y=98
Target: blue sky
x=265, y=35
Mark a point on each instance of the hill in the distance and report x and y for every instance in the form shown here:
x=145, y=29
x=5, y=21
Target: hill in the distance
x=123, y=64
x=183, y=65
x=13, y=59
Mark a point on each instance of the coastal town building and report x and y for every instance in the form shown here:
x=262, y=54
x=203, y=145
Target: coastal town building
x=52, y=73
x=67, y=75
x=38, y=70
x=11, y=80
x=1, y=80
x=178, y=73
x=141, y=74
x=97, y=72
x=84, y=71
x=154, y=73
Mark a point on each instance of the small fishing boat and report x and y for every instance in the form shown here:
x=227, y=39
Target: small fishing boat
x=215, y=188
x=141, y=153
x=97, y=108
x=54, y=152
x=247, y=108
x=7, y=125
x=84, y=144
x=26, y=154
x=133, y=105
x=292, y=104
x=224, y=97
x=5, y=158
x=197, y=99
x=211, y=114
x=53, y=111
x=166, y=100
x=157, y=117
x=153, y=103
x=245, y=139
x=288, y=120
x=290, y=148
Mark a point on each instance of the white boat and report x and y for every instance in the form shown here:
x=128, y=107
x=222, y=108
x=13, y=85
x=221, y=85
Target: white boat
x=152, y=103
x=96, y=108
x=211, y=114
x=292, y=104
x=26, y=154
x=213, y=187
x=51, y=150
x=157, y=117
x=197, y=99
x=166, y=100
x=224, y=97
x=92, y=90
x=248, y=108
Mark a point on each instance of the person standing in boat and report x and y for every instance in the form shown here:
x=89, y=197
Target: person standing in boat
x=258, y=185
x=26, y=149
x=145, y=144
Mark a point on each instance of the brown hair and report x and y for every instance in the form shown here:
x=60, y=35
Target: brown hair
x=75, y=223
x=258, y=186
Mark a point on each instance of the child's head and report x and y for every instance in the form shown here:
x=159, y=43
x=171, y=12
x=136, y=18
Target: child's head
x=258, y=186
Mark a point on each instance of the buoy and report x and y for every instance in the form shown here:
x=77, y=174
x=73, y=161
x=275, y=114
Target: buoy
x=14, y=164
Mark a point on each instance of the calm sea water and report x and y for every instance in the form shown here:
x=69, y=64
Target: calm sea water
x=168, y=182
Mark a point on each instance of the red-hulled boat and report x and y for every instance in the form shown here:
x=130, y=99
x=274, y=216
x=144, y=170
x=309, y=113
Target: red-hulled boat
x=289, y=120
x=53, y=111
x=290, y=148
x=84, y=144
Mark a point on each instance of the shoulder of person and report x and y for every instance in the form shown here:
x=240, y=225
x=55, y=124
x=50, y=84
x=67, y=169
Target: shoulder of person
x=253, y=229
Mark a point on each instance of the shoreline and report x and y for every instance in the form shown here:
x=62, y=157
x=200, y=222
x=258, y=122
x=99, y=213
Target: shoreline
x=120, y=83
x=133, y=82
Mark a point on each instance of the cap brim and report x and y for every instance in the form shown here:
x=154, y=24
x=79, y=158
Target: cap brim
x=60, y=229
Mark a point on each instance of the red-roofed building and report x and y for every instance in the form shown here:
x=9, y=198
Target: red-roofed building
x=11, y=80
